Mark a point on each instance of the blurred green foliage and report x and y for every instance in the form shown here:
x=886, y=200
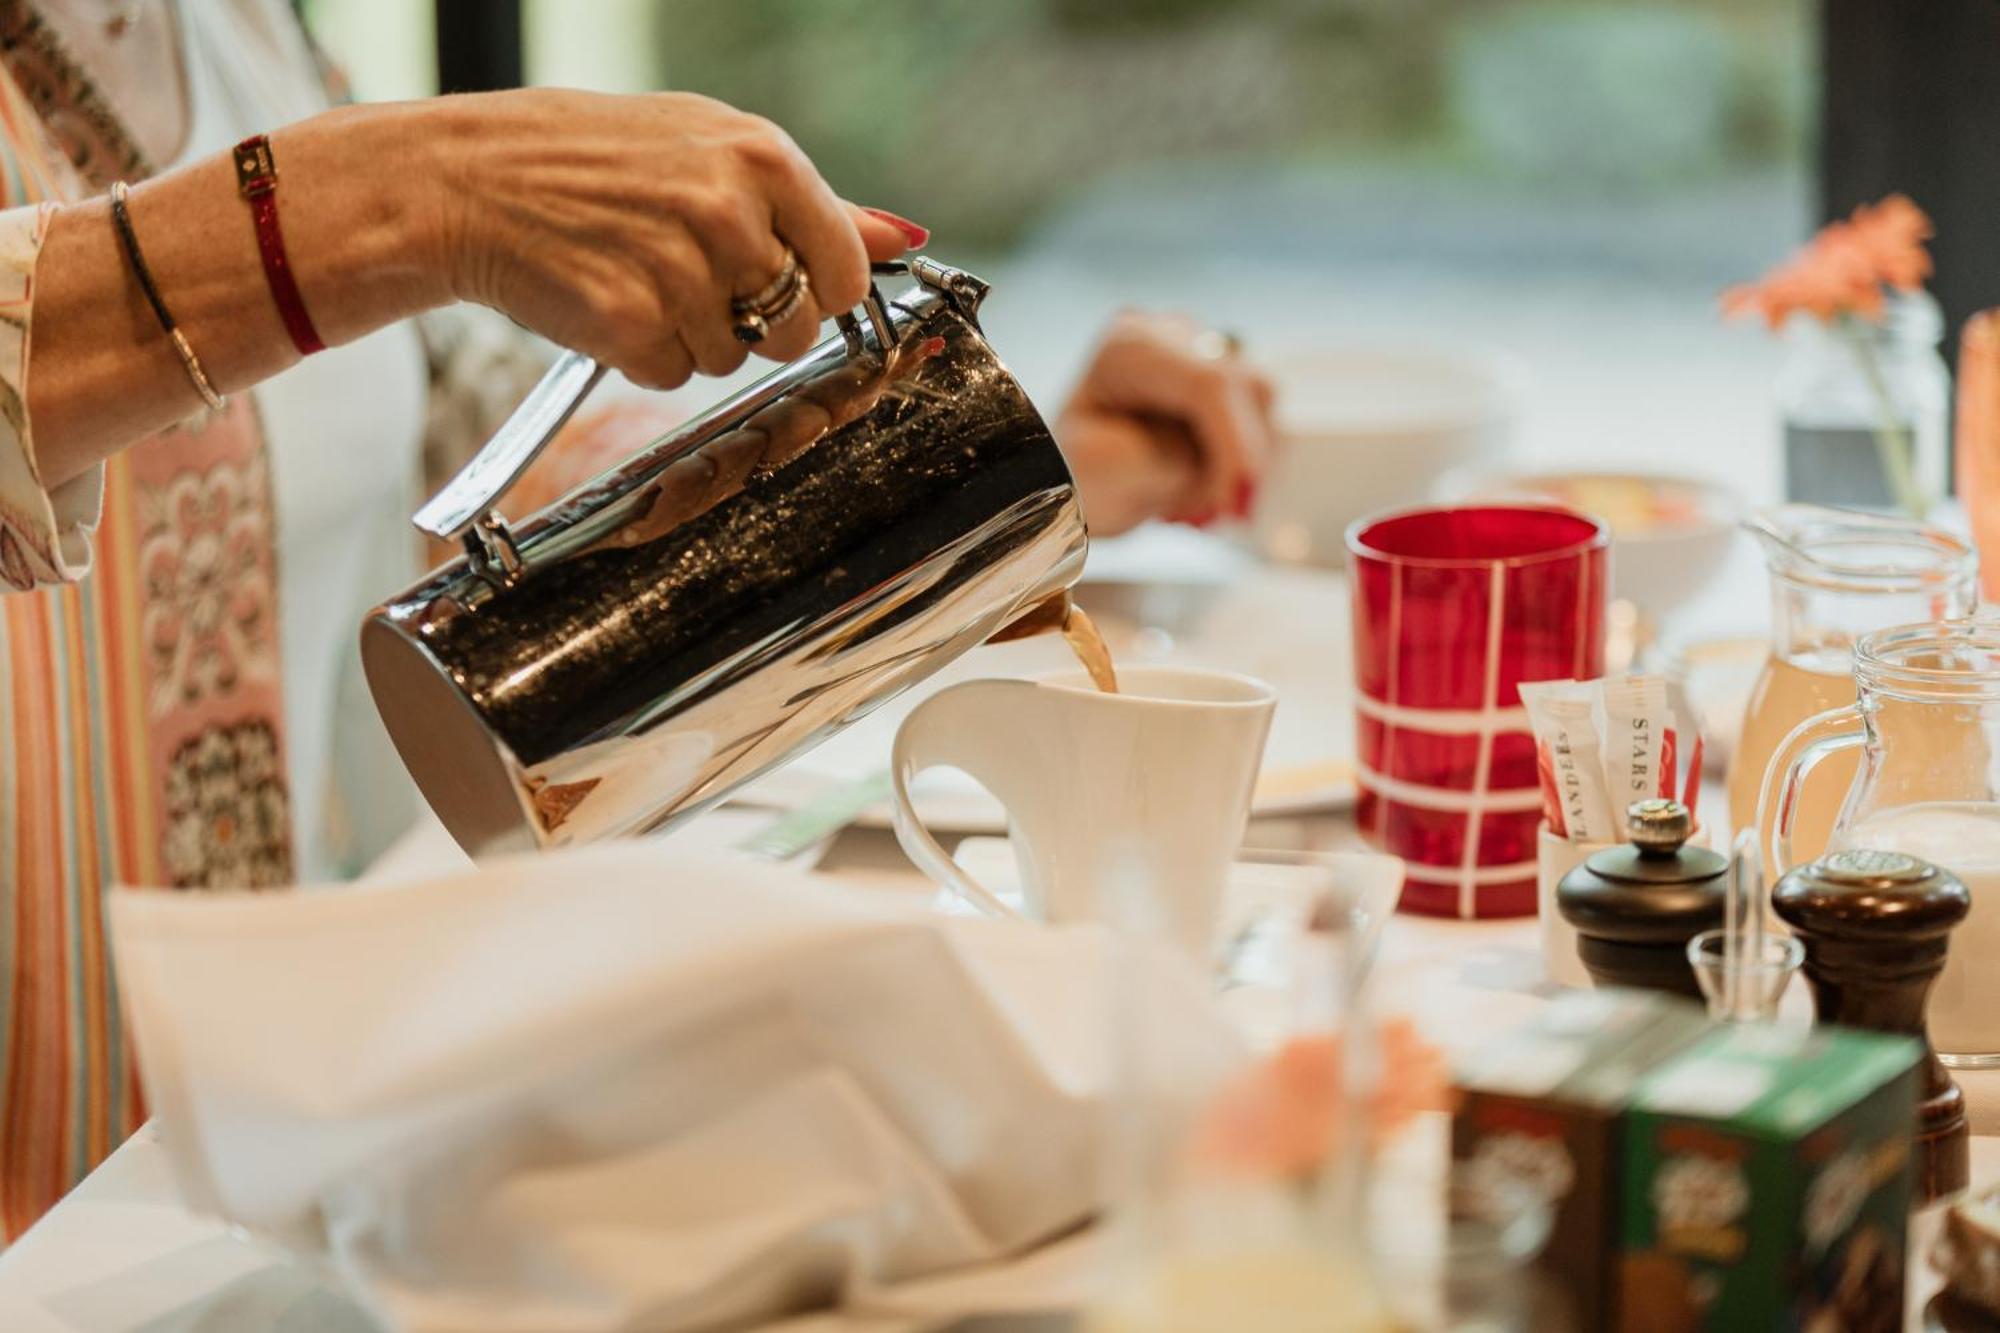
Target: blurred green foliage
x=975, y=115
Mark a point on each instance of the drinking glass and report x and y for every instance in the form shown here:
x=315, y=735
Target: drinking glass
x=1453, y=608
x=1252, y=1221
x=1459, y=1255
x=1764, y=969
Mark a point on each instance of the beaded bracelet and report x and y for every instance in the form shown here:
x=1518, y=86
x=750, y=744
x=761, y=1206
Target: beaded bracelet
x=121, y=218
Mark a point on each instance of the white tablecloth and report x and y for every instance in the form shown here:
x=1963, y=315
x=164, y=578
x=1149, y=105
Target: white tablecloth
x=121, y=1255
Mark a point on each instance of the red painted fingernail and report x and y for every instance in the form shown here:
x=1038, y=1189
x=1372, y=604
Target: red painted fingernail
x=1246, y=495
x=914, y=234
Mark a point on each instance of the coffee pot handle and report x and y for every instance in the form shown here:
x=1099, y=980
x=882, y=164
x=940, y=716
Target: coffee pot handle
x=492, y=472
x=1785, y=776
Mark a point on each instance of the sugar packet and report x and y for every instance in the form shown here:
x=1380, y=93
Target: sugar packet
x=1601, y=745
x=1569, y=755
x=1683, y=733
x=1639, y=742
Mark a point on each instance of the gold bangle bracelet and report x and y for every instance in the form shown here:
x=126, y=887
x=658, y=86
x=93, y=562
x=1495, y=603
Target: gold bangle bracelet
x=195, y=372
x=121, y=219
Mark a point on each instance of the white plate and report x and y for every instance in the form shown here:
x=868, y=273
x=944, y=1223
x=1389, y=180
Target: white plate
x=1287, y=627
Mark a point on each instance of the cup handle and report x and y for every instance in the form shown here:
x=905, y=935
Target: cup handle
x=956, y=727
x=1794, y=760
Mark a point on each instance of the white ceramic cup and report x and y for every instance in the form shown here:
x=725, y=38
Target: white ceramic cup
x=1368, y=428
x=1142, y=793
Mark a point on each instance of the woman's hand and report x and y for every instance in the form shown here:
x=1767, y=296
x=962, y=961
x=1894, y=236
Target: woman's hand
x=1168, y=422
x=624, y=226
x=619, y=226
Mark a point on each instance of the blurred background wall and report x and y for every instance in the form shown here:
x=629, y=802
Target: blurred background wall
x=1567, y=182
x=985, y=117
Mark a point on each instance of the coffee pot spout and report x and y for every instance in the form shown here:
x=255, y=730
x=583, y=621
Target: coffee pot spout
x=1047, y=616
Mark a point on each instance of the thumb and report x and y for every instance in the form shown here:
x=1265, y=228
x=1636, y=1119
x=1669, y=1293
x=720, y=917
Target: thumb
x=884, y=234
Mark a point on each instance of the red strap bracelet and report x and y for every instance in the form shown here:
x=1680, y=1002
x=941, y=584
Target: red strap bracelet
x=257, y=181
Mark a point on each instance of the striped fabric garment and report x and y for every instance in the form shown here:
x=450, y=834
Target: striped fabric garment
x=140, y=727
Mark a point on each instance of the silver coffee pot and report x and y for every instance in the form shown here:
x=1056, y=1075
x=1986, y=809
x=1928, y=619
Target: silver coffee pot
x=737, y=591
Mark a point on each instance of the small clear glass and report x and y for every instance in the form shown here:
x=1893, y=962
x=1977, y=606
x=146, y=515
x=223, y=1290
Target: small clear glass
x=1273, y=1243
x=1841, y=382
x=1459, y=1254
x=1762, y=973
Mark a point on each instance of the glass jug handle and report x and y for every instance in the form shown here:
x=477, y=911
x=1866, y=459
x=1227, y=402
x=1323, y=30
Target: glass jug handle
x=1794, y=760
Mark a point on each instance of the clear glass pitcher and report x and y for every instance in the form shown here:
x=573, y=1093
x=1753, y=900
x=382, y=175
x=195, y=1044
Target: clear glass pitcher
x=1836, y=574
x=1925, y=730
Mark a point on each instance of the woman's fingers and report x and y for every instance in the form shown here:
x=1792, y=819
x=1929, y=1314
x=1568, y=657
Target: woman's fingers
x=695, y=295
x=1215, y=399
x=591, y=208
x=819, y=228
x=793, y=336
x=884, y=234
x=1123, y=473
x=667, y=365
x=1226, y=434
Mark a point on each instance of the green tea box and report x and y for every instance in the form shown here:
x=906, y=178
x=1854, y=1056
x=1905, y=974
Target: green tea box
x=1767, y=1184
x=1540, y=1108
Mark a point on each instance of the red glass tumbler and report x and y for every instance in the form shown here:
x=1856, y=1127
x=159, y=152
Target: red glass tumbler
x=1453, y=608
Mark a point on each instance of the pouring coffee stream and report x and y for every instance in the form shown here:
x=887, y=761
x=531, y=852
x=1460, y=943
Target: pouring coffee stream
x=1061, y=615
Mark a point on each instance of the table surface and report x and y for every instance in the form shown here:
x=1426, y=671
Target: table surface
x=122, y=1255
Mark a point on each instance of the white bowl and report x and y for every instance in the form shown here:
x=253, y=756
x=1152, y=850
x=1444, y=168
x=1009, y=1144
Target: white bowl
x=1365, y=429
x=1657, y=566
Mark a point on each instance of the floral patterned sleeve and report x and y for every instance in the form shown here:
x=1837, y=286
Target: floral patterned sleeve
x=44, y=534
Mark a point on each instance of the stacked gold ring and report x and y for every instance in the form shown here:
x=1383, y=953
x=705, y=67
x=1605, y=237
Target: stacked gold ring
x=753, y=316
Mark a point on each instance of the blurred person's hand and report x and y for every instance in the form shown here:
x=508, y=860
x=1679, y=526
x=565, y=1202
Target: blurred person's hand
x=1167, y=422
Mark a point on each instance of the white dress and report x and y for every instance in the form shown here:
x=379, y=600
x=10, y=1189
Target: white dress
x=344, y=429
x=149, y=687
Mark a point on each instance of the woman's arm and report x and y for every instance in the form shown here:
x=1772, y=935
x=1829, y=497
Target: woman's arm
x=621, y=226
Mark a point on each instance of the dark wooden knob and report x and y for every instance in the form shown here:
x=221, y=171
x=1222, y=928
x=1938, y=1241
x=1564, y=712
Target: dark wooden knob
x=1635, y=907
x=1876, y=926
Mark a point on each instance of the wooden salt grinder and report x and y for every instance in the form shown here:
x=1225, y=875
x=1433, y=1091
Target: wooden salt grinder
x=1875, y=926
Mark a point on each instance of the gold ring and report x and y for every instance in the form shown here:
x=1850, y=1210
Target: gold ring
x=777, y=289
x=1215, y=345
x=753, y=316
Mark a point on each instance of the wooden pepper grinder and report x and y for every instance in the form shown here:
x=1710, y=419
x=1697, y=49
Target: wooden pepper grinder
x=1875, y=926
x=1635, y=907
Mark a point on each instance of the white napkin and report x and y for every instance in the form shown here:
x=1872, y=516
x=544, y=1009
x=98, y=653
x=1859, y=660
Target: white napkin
x=612, y=1089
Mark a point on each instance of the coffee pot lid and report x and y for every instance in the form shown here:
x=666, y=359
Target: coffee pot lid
x=1654, y=888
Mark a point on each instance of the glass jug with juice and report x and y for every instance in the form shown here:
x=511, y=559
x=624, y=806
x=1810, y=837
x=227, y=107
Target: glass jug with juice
x=1926, y=732
x=1836, y=574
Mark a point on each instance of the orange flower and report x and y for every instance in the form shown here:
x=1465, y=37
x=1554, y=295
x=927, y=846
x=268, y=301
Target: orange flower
x=1282, y=1118
x=1893, y=233
x=1843, y=269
